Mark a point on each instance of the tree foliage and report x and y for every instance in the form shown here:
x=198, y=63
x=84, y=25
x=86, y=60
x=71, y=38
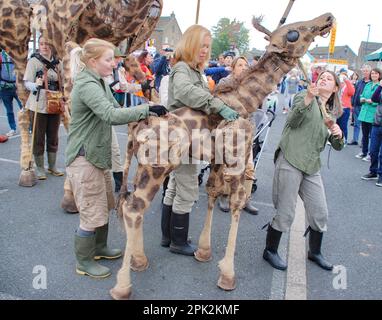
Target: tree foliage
x=229, y=33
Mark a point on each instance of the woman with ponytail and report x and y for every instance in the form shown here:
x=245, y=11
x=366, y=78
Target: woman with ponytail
x=88, y=153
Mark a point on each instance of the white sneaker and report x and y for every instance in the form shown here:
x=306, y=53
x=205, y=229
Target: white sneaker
x=360, y=155
x=367, y=158
x=11, y=133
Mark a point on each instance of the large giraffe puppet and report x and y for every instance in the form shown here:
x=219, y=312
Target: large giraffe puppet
x=68, y=23
x=287, y=45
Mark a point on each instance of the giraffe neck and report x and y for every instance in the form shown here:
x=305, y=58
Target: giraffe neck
x=257, y=82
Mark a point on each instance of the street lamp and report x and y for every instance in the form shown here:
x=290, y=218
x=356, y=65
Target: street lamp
x=367, y=40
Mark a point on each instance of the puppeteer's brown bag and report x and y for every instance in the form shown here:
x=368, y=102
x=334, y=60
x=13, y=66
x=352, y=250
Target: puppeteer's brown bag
x=55, y=103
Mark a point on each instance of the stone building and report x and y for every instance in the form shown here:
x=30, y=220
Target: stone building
x=342, y=54
x=167, y=33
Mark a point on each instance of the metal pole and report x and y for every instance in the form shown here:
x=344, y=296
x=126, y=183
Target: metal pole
x=286, y=13
x=197, y=12
x=367, y=41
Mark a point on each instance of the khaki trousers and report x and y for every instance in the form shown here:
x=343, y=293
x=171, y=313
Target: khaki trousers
x=288, y=182
x=183, y=188
x=93, y=193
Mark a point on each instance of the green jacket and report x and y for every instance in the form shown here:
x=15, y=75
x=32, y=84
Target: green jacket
x=94, y=111
x=187, y=88
x=368, y=110
x=305, y=135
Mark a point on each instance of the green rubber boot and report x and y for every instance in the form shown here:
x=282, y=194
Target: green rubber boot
x=102, y=251
x=40, y=170
x=85, y=249
x=52, y=156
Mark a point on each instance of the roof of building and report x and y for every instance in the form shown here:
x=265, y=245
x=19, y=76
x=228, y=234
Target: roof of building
x=324, y=50
x=371, y=46
x=163, y=21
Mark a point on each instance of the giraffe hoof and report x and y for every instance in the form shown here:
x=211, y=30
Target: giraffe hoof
x=203, y=255
x=121, y=293
x=139, y=263
x=227, y=283
x=68, y=204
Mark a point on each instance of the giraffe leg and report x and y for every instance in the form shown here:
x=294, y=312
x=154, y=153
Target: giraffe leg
x=226, y=265
x=68, y=203
x=123, y=192
x=122, y=290
x=141, y=200
x=203, y=254
x=148, y=180
x=214, y=187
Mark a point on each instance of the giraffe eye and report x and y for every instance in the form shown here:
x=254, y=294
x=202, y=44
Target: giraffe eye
x=292, y=36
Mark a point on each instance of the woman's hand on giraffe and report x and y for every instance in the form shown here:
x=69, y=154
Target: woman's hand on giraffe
x=158, y=110
x=228, y=114
x=312, y=91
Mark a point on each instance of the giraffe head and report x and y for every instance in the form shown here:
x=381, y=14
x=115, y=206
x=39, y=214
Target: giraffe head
x=293, y=40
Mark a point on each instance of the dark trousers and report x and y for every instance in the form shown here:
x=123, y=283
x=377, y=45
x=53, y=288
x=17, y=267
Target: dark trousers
x=7, y=95
x=366, y=130
x=343, y=122
x=47, y=125
x=376, y=150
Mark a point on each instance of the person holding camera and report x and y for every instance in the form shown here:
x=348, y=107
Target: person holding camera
x=43, y=64
x=161, y=66
x=88, y=151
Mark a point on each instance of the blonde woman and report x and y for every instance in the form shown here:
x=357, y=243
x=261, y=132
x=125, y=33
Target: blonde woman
x=88, y=153
x=188, y=88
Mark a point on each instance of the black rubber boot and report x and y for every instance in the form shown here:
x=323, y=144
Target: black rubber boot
x=270, y=252
x=179, y=234
x=165, y=225
x=314, y=253
x=118, y=177
x=250, y=208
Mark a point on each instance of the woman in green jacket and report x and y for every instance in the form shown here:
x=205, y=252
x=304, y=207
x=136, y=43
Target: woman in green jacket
x=88, y=152
x=298, y=164
x=366, y=116
x=188, y=88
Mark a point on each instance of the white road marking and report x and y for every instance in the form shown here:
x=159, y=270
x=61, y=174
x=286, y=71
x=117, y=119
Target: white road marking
x=296, y=272
x=10, y=161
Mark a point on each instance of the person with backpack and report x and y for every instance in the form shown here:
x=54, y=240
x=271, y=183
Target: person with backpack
x=8, y=89
x=44, y=65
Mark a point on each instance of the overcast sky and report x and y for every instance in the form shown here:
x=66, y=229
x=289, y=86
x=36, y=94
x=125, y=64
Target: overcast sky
x=352, y=20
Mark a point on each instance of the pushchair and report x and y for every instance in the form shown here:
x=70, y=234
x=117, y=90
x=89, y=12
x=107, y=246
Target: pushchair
x=263, y=120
